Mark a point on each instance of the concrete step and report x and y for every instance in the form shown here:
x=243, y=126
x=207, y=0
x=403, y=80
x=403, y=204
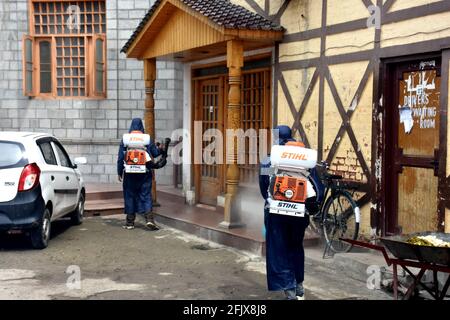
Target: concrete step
x=103, y=191
x=103, y=199
x=104, y=207
x=105, y=195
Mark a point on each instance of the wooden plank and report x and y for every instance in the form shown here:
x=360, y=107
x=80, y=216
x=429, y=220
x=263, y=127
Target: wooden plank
x=181, y=32
x=417, y=200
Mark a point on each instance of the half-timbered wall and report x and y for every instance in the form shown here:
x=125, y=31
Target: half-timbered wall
x=327, y=75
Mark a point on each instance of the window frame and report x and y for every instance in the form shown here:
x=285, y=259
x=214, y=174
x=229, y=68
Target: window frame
x=89, y=57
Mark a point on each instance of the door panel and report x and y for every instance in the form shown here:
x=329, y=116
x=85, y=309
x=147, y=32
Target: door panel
x=414, y=116
x=51, y=173
x=210, y=112
x=68, y=189
x=417, y=200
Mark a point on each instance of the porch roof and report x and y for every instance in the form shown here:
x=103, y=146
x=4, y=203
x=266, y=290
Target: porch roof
x=173, y=28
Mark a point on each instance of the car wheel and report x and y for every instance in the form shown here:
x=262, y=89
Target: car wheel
x=77, y=216
x=41, y=234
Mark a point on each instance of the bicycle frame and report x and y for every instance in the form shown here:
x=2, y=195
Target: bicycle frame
x=331, y=188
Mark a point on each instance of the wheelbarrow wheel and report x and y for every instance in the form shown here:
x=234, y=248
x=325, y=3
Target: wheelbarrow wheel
x=340, y=220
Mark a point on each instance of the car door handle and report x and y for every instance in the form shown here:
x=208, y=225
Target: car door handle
x=52, y=178
x=67, y=178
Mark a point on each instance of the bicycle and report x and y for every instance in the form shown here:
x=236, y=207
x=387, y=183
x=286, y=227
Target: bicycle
x=337, y=214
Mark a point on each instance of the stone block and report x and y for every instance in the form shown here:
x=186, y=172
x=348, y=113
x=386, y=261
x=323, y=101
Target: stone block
x=45, y=123
x=87, y=133
x=73, y=133
x=101, y=124
x=98, y=133
x=72, y=114
x=98, y=168
x=105, y=159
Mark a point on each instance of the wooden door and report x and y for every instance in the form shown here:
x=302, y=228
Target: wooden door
x=412, y=183
x=209, y=110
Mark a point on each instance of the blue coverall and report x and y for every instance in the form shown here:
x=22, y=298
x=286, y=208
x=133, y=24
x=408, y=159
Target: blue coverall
x=285, y=257
x=137, y=187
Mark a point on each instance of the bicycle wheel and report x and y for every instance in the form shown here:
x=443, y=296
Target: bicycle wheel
x=340, y=220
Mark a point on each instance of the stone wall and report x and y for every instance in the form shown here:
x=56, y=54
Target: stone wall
x=90, y=128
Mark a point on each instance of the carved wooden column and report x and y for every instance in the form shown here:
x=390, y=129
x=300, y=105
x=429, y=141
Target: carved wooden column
x=235, y=61
x=149, y=115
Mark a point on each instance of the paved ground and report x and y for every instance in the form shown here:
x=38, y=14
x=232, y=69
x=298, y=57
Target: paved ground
x=138, y=264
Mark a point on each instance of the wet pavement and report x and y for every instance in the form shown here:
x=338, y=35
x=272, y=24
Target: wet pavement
x=101, y=260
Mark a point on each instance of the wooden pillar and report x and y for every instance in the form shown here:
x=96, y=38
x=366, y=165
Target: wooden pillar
x=149, y=114
x=235, y=61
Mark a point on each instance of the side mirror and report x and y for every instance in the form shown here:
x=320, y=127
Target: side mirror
x=80, y=160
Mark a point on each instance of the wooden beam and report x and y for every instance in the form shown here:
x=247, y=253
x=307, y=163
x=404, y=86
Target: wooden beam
x=235, y=62
x=346, y=120
x=279, y=14
x=357, y=97
x=149, y=114
x=257, y=8
x=443, y=221
x=255, y=35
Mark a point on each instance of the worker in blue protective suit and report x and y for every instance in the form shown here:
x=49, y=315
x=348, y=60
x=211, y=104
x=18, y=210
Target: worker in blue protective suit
x=137, y=187
x=285, y=257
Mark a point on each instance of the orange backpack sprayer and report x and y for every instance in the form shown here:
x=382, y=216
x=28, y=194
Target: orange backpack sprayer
x=289, y=182
x=136, y=155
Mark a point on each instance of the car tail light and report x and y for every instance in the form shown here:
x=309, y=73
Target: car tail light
x=29, y=177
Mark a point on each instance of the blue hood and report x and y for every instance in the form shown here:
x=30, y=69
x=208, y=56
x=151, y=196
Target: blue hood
x=284, y=135
x=137, y=125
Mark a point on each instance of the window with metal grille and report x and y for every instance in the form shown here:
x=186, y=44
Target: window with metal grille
x=65, y=53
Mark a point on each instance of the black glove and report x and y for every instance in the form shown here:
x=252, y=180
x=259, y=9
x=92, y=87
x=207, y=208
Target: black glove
x=165, y=147
x=161, y=163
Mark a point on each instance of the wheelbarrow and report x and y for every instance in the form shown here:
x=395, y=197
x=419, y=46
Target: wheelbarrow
x=407, y=255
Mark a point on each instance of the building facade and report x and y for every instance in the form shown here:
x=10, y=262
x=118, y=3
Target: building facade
x=363, y=82
x=62, y=72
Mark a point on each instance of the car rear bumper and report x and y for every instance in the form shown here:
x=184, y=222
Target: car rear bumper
x=23, y=212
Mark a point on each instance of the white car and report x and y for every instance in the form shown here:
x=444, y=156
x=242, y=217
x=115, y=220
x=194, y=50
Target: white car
x=38, y=184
